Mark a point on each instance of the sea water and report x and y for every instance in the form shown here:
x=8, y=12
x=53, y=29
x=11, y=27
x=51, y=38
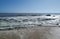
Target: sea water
x=11, y=20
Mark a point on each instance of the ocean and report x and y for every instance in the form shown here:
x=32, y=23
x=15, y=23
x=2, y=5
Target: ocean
x=18, y=20
x=25, y=14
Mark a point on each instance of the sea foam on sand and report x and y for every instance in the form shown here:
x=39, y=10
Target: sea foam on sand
x=40, y=29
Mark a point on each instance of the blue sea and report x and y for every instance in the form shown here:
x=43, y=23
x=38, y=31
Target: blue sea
x=24, y=14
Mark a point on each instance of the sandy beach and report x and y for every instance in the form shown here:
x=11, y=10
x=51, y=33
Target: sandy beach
x=32, y=33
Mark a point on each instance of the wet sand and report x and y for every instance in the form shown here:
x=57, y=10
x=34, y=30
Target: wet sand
x=32, y=33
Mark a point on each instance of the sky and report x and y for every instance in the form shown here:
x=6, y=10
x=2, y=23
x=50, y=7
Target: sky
x=29, y=6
